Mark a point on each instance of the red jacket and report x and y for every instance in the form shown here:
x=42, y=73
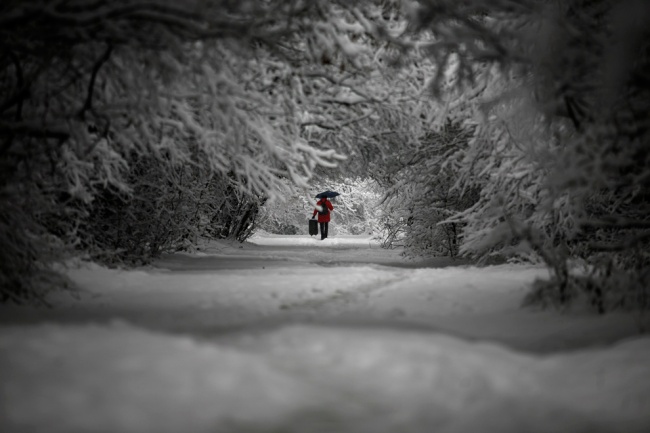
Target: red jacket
x=324, y=218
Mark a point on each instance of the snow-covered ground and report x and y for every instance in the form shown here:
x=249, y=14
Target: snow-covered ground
x=291, y=334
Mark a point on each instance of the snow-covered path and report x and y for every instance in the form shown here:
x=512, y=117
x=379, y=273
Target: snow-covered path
x=295, y=335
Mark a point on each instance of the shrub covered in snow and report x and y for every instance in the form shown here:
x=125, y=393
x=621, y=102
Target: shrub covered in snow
x=423, y=194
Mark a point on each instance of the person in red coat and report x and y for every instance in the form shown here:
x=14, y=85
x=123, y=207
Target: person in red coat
x=323, y=215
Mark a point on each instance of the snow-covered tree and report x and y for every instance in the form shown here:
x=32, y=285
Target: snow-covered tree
x=105, y=103
x=121, y=115
x=423, y=195
x=558, y=96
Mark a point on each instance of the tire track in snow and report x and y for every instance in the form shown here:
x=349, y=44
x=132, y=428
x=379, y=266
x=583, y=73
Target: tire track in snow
x=341, y=297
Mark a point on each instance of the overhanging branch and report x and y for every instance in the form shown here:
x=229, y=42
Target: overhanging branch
x=91, y=85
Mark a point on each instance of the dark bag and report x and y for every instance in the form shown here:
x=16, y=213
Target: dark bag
x=325, y=210
x=313, y=227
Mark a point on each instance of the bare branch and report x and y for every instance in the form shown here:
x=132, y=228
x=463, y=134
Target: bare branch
x=91, y=85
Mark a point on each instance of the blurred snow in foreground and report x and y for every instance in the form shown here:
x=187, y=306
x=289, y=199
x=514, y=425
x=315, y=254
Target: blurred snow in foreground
x=274, y=337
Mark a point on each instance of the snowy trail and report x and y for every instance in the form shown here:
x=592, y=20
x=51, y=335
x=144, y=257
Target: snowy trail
x=291, y=335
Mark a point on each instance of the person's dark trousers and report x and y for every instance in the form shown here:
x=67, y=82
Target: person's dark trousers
x=323, y=230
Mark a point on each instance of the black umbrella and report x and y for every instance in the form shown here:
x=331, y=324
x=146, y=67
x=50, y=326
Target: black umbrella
x=328, y=194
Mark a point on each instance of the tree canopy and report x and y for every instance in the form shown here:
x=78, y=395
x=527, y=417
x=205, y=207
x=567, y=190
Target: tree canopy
x=516, y=129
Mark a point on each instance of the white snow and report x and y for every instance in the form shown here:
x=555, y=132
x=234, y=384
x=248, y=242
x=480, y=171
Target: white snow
x=294, y=334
